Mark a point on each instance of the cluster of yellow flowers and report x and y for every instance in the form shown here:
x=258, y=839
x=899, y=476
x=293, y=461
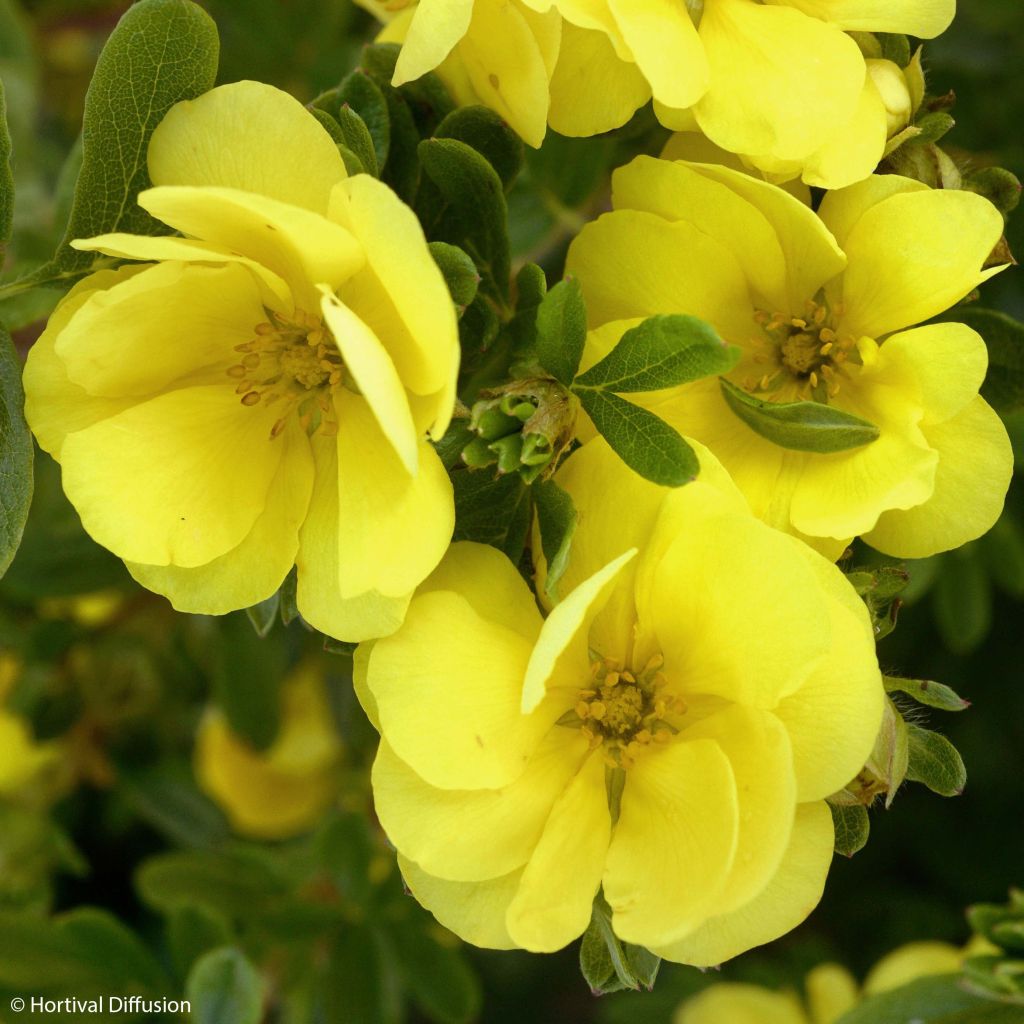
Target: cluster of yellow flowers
x=259, y=388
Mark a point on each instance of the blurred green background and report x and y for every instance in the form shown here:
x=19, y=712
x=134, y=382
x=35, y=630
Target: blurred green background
x=113, y=815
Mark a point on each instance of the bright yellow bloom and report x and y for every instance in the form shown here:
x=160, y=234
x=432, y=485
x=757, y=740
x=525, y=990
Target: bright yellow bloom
x=282, y=791
x=500, y=53
x=830, y=990
x=256, y=394
x=779, y=82
x=667, y=733
x=819, y=306
x=22, y=759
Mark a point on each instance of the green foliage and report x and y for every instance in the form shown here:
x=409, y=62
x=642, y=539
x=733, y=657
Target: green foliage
x=852, y=827
x=556, y=519
x=800, y=426
x=561, y=325
x=936, y=1000
x=15, y=454
x=492, y=510
x=1004, y=338
x=6, y=177
x=460, y=273
x=934, y=761
x=927, y=692
x=607, y=963
x=224, y=988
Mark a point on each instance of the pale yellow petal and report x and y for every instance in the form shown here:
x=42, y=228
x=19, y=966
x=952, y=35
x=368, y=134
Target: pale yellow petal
x=783, y=904
x=395, y=528
x=436, y=27
x=736, y=1003
x=923, y=18
x=673, y=846
x=831, y=991
x=177, y=480
x=841, y=209
x=254, y=570
x=975, y=463
x=910, y=962
x=247, y=136
x=552, y=905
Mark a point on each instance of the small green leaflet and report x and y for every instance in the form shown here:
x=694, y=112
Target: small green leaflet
x=562, y=330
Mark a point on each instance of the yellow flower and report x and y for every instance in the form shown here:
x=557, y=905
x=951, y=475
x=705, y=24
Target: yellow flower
x=500, y=53
x=819, y=306
x=282, y=791
x=779, y=82
x=667, y=733
x=830, y=990
x=22, y=759
x=256, y=394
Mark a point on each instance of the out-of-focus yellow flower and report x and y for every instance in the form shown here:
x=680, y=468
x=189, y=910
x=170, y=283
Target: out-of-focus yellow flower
x=500, y=53
x=780, y=82
x=257, y=394
x=830, y=990
x=282, y=791
x=668, y=733
x=819, y=306
x=851, y=154
x=22, y=759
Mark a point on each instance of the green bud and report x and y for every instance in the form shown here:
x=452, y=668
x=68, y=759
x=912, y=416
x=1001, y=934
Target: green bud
x=478, y=454
x=536, y=450
x=508, y=449
x=492, y=423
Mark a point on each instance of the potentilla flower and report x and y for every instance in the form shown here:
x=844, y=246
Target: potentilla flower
x=666, y=734
x=500, y=53
x=257, y=393
x=281, y=791
x=780, y=82
x=819, y=306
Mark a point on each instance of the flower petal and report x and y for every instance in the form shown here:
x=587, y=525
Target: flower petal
x=783, y=904
x=451, y=711
x=122, y=342
x=254, y=570
x=841, y=209
x=922, y=18
x=177, y=480
x=247, y=136
x=395, y=527
x=473, y=835
x=361, y=617
x=975, y=463
x=437, y=25
x=553, y=903
x=376, y=378
x=741, y=1004
x=816, y=74
x=592, y=89
x=673, y=846
x=912, y=256
x=666, y=48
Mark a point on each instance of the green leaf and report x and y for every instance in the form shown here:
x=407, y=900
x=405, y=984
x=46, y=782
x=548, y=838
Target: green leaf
x=557, y=520
x=925, y=1001
x=15, y=454
x=346, y=850
x=474, y=214
x=264, y=615
x=562, y=330
x=459, y=272
x=193, y=931
x=363, y=95
x=161, y=52
x=930, y=128
x=662, y=352
x=490, y=135
x=647, y=444
x=800, y=426
x=962, y=599
x=889, y=757
x=607, y=963
x=1004, y=337
x=925, y=691
x=361, y=983
x=224, y=988
x=6, y=177
x=935, y=762
x=852, y=827
x=357, y=137
x=492, y=510
x=353, y=164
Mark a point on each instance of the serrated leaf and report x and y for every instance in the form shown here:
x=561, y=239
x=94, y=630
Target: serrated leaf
x=562, y=330
x=492, y=510
x=474, y=214
x=662, y=352
x=490, y=135
x=647, y=444
x=928, y=692
x=224, y=988
x=852, y=827
x=161, y=52
x=16, y=453
x=924, y=1001
x=935, y=762
x=459, y=272
x=557, y=520
x=800, y=426
x=6, y=176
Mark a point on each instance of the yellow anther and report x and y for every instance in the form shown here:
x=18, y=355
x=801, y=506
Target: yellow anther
x=813, y=379
x=236, y=371
x=825, y=349
x=827, y=334
x=597, y=710
x=663, y=736
x=612, y=679
x=643, y=737
x=798, y=322
x=250, y=398
x=583, y=709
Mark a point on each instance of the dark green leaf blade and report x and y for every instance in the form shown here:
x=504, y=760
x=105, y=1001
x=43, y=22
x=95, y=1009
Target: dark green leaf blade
x=6, y=177
x=647, y=444
x=926, y=1000
x=15, y=453
x=489, y=134
x=459, y=272
x=161, y=52
x=935, y=762
x=800, y=426
x=562, y=330
x=851, y=826
x=557, y=519
x=492, y=510
x=224, y=988
x=662, y=352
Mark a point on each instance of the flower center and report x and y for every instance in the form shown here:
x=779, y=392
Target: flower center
x=293, y=361
x=623, y=711
x=804, y=351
